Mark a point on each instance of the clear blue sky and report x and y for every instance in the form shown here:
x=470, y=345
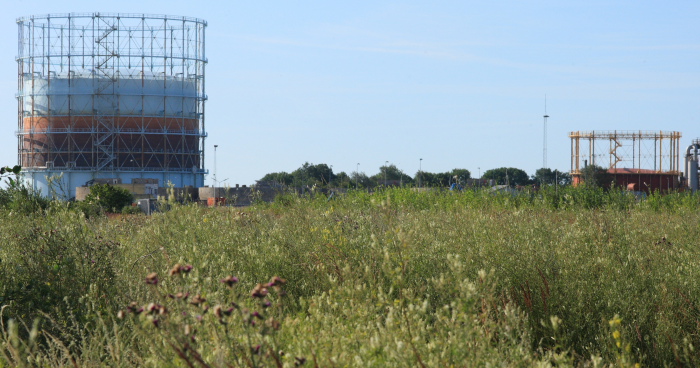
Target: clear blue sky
x=460, y=84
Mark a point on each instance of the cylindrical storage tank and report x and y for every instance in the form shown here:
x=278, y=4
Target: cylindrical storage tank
x=111, y=96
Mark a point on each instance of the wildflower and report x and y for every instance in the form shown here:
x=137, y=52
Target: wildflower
x=152, y=278
x=197, y=300
x=179, y=295
x=616, y=335
x=120, y=314
x=276, y=281
x=259, y=291
x=154, y=308
x=178, y=268
x=156, y=322
x=615, y=321
x=255, y=349
x=257, y=315
x=230, y=281
x=267, y=304
x=175, y=270
x=134, y=308
x=273, y=323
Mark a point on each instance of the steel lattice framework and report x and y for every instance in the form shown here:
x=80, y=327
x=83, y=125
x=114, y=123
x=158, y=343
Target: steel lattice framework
x=650, y=150
x=114, y=93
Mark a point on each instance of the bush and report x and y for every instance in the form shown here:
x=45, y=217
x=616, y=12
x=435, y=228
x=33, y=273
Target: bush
x=131, y=210
x=53, y=266
x=110, y=198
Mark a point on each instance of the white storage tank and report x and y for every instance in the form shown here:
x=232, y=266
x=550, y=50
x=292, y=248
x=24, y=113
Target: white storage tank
x=111, y=95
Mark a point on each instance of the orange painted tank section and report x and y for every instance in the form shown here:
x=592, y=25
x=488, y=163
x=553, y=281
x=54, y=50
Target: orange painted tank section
x=141, y=142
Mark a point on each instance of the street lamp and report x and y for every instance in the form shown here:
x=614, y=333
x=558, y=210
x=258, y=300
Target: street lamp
x=357, y=176
x=215, y=147
x=420, y=171
x=330, y=174
x=386, y=166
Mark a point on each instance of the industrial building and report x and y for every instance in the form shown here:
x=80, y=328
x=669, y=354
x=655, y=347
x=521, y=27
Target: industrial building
x=644, y=161
x=118, y=96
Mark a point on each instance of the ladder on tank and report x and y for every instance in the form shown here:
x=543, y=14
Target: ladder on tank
x=104, y=99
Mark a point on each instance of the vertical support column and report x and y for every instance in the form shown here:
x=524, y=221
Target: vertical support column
x=661, y=151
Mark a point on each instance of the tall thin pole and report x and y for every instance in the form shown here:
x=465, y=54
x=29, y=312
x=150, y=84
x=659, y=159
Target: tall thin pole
x=544, y=139
x=420, y=171
x=386, y=166
x=357, y=176
x=215, y=147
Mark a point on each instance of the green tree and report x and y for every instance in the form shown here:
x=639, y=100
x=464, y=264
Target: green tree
x=360, y=179
x=462, y=174
x=507, y=175
x=281, y=177
x=546, y=176
x=110, y=198
x=442, y=179
x=596, y=176
x=341, y=180
x=391, y=174
x=310, y=174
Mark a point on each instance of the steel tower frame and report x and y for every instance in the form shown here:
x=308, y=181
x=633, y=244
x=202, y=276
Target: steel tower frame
x=654, y=150
x=102, y=53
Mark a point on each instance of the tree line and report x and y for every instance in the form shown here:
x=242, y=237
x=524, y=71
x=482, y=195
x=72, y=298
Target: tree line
x=322, y=175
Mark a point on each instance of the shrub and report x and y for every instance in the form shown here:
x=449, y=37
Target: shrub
x=110, y=198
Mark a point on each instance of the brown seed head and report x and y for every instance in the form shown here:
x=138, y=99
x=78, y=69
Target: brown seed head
x=152, y=278
x=230, y=281
x=259, y=291
x=276, y=281
x=175, y=270
x=197, y=300
x=273, y=323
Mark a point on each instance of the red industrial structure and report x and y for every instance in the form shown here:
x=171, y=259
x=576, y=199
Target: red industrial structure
x=651, y=158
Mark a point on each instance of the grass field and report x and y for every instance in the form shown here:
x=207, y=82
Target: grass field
x=576, y=277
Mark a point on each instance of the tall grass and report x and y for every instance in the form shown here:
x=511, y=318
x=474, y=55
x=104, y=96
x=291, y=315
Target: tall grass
x=561, y=276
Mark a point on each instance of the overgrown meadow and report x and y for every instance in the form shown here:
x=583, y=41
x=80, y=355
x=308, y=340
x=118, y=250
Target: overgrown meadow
x=562, y=277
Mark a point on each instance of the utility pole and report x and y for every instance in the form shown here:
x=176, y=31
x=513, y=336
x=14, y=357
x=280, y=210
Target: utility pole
x=544, y=140
x=215, y=147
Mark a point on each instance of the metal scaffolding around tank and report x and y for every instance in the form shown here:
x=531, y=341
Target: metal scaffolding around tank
x=111, y=96
x=638, y=160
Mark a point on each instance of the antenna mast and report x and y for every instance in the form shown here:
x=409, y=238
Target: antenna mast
x=544, y=140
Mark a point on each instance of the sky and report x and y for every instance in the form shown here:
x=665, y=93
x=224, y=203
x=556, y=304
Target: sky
x=458, y=84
